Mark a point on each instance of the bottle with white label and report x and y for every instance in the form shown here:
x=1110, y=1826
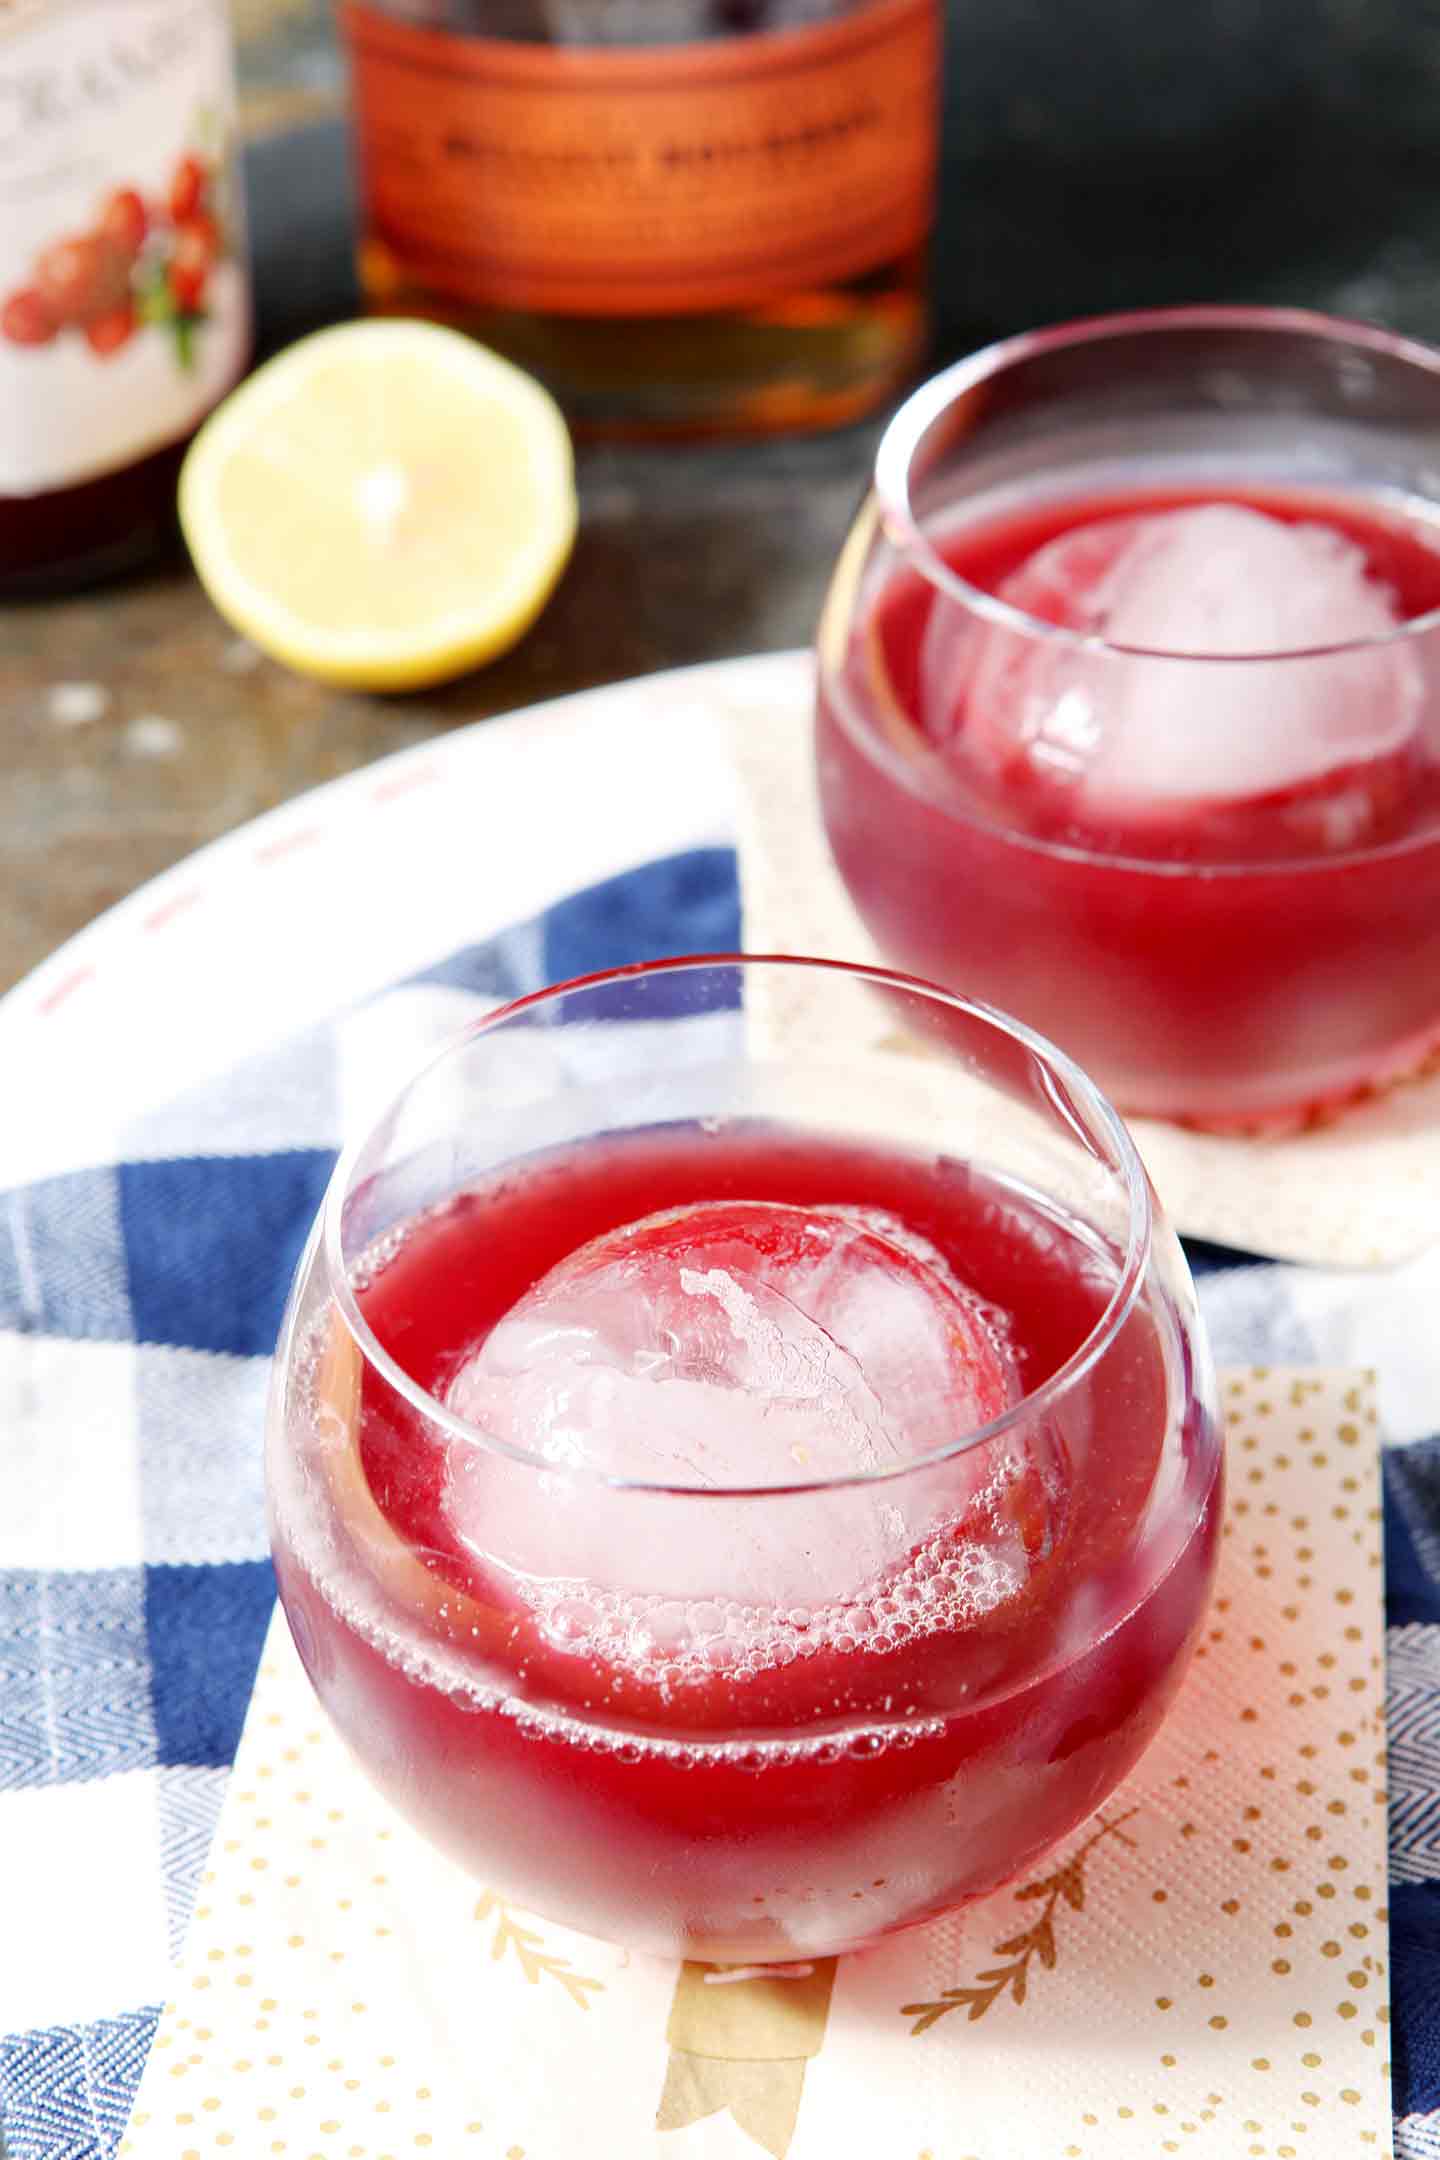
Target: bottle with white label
x=124, y=288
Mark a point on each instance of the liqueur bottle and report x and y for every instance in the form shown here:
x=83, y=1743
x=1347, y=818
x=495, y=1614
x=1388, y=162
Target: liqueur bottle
x=124, y=293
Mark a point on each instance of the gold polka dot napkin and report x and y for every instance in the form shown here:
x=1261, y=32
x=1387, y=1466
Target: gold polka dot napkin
x=1360, y=1191
x=1200, y=1969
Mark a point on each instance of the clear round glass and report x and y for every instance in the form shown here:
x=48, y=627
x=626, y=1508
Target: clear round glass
x=790, y=1635
x=1252, y=960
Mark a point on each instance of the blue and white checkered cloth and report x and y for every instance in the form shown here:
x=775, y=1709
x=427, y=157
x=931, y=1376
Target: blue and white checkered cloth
x=138, y=1305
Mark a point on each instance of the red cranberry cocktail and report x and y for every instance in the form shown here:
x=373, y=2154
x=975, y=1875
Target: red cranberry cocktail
x=1129, y=710
x=742, y=1500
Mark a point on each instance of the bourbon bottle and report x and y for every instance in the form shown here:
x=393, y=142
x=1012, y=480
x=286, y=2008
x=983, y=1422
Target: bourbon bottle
x=686, y=216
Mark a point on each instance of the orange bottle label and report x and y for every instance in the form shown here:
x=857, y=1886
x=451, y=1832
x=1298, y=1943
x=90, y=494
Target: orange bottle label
x=648, y=180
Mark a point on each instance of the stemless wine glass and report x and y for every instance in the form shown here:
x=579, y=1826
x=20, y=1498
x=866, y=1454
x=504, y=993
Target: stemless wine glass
x=736, y=1489
x=1201, y=850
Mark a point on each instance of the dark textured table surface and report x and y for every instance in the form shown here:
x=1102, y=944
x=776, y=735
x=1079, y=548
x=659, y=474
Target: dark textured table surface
x=1108, y=154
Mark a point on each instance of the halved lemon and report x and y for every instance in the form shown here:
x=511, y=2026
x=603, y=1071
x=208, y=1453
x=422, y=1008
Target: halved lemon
x=383, y=505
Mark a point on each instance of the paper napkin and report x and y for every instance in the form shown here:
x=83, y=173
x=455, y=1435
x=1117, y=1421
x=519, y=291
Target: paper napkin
x=1199, y=1969
x=1362, y=1190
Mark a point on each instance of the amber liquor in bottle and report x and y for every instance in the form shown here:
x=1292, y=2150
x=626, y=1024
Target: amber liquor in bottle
x=687, y=216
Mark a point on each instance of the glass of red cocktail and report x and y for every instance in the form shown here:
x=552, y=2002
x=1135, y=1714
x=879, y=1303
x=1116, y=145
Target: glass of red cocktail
x=741, y=1496
x=1129, y=709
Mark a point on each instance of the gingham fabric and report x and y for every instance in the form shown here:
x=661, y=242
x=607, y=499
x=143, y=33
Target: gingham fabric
x=138, y=1306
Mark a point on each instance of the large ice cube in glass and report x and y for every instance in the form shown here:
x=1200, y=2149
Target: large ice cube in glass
x=745, y=1346
x=1252, y=667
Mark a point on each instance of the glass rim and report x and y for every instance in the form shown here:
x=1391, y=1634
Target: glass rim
x=908, y=427
x=1053, y=1062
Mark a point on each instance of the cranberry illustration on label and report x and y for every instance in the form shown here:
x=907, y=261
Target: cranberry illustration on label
x=196, y=247
x=142, y=265
x=81, y=276
x=124, y=221
x=189, y=186
x=25, y=318
x=105, y=334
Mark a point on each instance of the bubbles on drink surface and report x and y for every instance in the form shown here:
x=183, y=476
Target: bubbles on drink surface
x=733, y=1349
x=1215, y=709
x=961, y=1572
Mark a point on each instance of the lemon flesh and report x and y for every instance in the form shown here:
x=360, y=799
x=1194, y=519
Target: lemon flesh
x=381, y=506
